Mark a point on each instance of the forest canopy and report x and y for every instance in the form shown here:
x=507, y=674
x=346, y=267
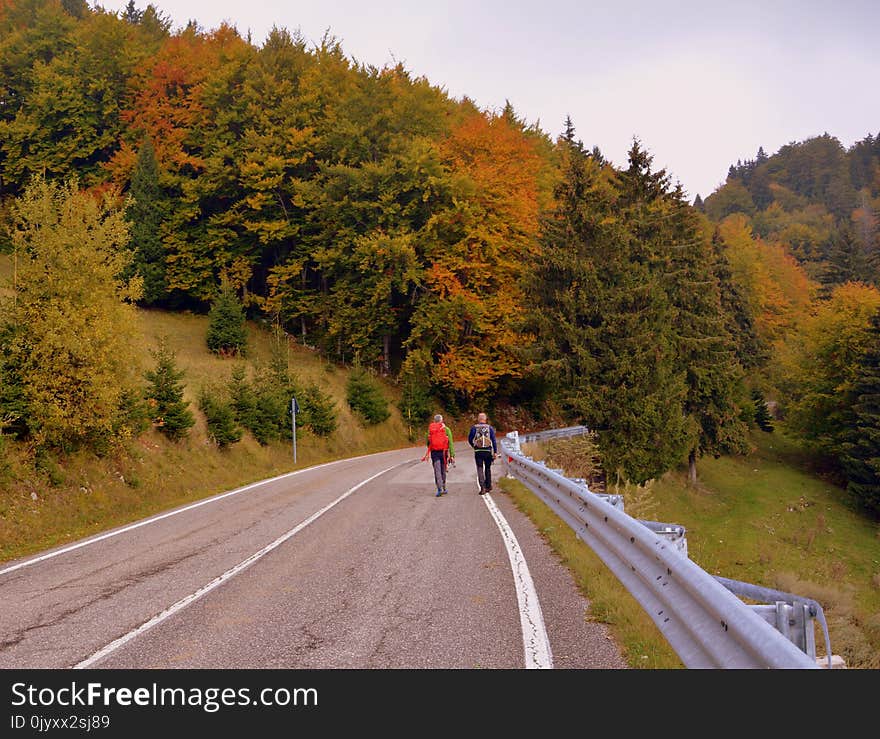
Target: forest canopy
x=464, y=253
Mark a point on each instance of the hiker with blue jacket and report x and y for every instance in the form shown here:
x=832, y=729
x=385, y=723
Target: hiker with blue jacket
x=485, y=446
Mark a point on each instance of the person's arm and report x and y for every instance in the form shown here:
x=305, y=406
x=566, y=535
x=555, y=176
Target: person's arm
x=471, y=435
x=494, y=442
x=451, y=443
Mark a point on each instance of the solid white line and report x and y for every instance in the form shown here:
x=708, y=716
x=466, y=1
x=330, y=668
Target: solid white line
x=154, y=519
x=217, y=581
x=536, y=643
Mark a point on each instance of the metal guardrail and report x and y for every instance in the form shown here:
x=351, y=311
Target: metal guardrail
x=700, y=615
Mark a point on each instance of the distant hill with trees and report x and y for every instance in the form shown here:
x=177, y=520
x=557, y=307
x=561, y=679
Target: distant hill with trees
x=819, y=198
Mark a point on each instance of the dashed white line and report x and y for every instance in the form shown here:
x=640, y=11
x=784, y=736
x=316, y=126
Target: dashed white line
x=217, y=581
x=536, y=644
x=154, y=519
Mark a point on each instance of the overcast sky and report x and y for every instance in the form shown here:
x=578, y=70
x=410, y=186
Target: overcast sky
x=701, y=83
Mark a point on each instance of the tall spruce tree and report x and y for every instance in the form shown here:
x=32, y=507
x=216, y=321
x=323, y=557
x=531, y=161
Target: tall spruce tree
x=145, y=214
x=660, y=422
x=603, y=322
x=751, y=351
x=860, y=450
x=693, y=332
x=705, y=353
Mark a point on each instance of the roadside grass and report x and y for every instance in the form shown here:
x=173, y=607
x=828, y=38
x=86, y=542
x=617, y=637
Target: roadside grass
x=54, y=499
x=762, y=518
x=641, y=643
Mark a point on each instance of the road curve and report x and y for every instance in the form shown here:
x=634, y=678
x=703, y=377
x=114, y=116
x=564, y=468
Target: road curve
x=351, y=564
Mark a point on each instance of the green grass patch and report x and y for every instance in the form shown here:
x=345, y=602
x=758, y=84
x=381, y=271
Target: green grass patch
x=768, y=519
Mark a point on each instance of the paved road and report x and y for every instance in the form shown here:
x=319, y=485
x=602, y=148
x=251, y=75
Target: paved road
x=353, y=564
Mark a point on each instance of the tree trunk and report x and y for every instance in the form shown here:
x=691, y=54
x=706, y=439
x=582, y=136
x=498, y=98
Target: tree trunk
x=692, y=467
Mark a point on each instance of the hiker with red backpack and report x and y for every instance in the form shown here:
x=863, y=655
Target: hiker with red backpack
x=442, y=451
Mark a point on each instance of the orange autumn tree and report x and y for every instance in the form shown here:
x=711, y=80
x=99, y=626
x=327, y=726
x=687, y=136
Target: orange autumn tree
x=166, y=105
x=464, y=332
x=173, y=107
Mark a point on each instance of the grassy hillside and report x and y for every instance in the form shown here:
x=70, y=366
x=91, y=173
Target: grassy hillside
x=54, y=499
x=762, y=518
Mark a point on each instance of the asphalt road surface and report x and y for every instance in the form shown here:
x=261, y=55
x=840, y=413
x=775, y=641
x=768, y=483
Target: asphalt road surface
x=351, y=564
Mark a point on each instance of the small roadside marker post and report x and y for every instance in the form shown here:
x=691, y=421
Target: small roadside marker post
x=294, y=407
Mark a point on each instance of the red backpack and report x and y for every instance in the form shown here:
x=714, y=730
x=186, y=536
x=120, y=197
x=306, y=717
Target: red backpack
x=437, y=438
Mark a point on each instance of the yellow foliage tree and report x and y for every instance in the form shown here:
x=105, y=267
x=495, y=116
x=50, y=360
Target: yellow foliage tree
x=822, y=365
x=777, y=289
x=68, y=325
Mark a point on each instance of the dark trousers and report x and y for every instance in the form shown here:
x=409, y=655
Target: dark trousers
x=484, y=469
x=438, y=462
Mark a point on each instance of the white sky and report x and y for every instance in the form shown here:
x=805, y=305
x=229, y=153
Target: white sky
x=701, y=83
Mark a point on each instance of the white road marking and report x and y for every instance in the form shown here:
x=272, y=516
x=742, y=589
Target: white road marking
x=536, y=644
x=154, y=519
x=217, y=581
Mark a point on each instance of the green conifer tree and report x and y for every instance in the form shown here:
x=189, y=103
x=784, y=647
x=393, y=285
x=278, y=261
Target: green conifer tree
x=704, y=349
x=652, y=425
x=145, y=214
x=170, y=411
x=366, y=398
x=762, y=414
x=220, y=418
x=242, y=397
x=227, y=330
x=603, y=322
x=318, y=409
x=860, y=450
x=271, y=414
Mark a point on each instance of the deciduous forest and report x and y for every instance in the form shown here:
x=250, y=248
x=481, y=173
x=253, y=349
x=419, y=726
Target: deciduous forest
x=464, y=254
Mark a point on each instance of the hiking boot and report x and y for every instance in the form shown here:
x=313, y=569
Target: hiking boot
x=439, y=493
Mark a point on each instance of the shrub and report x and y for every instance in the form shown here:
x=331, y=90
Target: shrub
x=318, y=409
x=220, y=416
x=365, y=398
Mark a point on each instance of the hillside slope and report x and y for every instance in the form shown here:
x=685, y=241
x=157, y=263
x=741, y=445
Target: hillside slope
x=50, y=499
